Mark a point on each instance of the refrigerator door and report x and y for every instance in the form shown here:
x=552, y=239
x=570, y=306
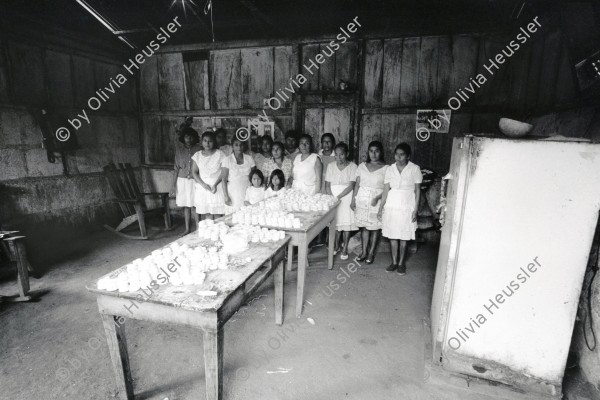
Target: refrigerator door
x=526, y=228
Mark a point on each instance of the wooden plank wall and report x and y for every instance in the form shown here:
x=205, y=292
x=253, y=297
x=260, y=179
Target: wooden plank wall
x=395, y=77
x=402, y=75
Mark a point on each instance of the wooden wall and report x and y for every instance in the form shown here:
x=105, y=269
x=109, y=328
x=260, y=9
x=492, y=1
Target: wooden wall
x=36, y=197
x=392, y=77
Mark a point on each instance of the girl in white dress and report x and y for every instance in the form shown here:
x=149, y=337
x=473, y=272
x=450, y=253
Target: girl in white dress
x=207, y=174
x=307, y=169
x=339, y=181
x=276, y=185
x=255, y=192
x=366, y=198
x=399, y=204
x=183, y=181
x=236, y=169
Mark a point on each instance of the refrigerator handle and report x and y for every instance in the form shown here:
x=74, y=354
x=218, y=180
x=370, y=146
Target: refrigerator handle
x=441, y=208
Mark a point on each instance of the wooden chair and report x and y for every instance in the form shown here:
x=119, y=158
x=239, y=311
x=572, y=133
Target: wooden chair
x=12, y=247
x=132, y=202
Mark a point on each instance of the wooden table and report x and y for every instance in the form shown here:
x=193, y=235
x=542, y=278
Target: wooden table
x=313, y=222
x=181, y=305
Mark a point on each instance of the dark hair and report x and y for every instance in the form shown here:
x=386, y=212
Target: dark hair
x=404, y=147
x=244, y=143
x=220, y=130
x=375, y=143
x=306, y=136
x=260, y=175
x=292, y=133
x=330, y=136
x=280, y=145
x=189, y=132
x=343, y=146
x=278, y=173
x=210, y=135
x=265, y=137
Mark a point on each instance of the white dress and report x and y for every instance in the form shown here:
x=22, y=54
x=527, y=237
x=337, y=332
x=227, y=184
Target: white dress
x=271, y=193
x=401, y=202
x=326, y=160
x=339, y=181
x=237, y=180
x=305, y=179
x=255, y=194
x=370, y=186
x=210, y=170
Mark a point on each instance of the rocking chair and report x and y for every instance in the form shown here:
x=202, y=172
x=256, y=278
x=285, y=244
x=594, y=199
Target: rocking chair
x=132, y=202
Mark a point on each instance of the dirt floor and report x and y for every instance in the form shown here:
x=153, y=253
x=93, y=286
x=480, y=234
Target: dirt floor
x=363, y=338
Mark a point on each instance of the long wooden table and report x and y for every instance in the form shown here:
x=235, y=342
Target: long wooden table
x=313, y=222
x=182, y=305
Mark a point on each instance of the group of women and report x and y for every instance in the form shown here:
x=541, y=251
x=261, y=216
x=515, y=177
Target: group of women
x=219, y=177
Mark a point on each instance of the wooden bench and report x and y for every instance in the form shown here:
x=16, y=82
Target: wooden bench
x=132, y=201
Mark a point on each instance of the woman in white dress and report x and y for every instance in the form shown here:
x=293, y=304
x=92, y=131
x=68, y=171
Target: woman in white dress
x=339, y=181
x=326, y=154
x=260, y=158
x=278, y=161
x=183, y=181
x=236, y=170
x=366, y=198
x=307, y=170
x=207, y=174
x=399, y=204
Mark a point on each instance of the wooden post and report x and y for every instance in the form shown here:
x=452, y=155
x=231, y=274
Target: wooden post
x=213, y=363
x=279, y=281
x=290, y=256
x=117, y=347
x=302, y=255
x=332, y=226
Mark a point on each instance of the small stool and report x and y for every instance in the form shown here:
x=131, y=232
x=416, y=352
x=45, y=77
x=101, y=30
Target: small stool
x=14, y=248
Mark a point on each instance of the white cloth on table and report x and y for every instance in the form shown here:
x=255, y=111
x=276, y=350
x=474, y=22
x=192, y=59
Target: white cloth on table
x=271, y=193
x=305, y=178
x=255, y=194
x=339, y=181
x=184, y=196
x=370, y=186
x=401, y=202
x=237, y=180
x=210, y=171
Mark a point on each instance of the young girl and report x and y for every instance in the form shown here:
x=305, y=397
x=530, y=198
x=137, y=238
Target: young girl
x=399, y=204
x=236, y=168
x=183, y=181
x=366, y=197
x=276, y=184
x=256, y=192
x=340, y=179
x=207, y=174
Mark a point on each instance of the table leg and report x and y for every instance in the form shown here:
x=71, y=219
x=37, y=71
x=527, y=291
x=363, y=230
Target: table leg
x=302, y=256
x=213, y=364
x=332, y=226
x=290, y=255
x=117, y=347
x=279, y=281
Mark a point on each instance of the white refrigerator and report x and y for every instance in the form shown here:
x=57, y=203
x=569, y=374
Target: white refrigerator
x=519, y=223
